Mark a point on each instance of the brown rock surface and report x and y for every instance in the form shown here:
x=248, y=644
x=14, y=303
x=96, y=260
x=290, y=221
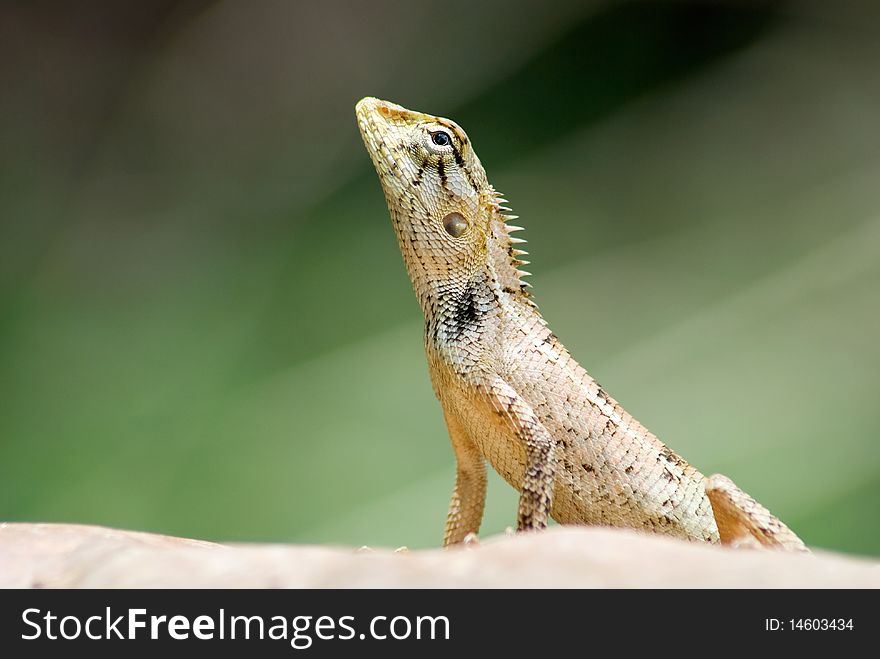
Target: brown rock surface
x=71, y=556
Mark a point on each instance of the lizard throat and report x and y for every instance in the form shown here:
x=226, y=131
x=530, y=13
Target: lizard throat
x=461, y=313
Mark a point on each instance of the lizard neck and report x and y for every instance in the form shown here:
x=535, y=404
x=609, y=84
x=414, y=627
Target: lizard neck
x=459, y=313
x=458, y=298
x=505, y=252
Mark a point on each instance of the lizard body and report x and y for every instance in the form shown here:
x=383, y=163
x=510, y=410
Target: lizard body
x=511, y=393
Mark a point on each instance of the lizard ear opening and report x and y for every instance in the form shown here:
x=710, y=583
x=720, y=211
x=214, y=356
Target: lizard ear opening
x=455, y=224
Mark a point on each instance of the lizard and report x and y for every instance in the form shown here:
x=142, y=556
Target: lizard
x=511, y=393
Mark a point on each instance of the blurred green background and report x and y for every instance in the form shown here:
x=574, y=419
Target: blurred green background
x=205, y=325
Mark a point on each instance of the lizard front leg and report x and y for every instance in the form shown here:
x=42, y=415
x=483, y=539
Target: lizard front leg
x=469, y=495
x=536, y=490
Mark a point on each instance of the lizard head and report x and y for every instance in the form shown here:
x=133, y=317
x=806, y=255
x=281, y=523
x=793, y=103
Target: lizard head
x=448, y=219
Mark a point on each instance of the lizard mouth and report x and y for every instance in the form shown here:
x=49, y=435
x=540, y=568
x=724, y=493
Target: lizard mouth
x=392, y=112
x=370, y=122
x=366, y=107
x=380, y=123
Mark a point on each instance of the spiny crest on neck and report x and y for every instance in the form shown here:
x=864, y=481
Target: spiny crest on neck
x=506, y=250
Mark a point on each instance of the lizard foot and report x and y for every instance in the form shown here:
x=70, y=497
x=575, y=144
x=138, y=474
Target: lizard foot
x=743, y=522
x=471, y=540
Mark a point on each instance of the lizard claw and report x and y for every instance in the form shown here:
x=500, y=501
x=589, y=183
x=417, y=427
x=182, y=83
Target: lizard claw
x=471, y=540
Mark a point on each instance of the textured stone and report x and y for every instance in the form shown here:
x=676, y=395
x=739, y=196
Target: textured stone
x=71, y=556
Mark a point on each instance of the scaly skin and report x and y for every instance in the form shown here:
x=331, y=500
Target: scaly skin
x=511, y=393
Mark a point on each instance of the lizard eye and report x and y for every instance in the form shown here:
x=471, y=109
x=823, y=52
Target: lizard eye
x=455, y=224
x=440, y=138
